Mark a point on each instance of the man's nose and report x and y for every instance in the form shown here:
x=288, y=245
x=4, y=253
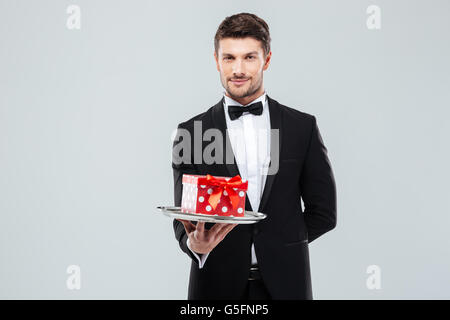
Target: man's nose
x=238, y=67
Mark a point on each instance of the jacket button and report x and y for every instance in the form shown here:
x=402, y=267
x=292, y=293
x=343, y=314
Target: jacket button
x=255, y=230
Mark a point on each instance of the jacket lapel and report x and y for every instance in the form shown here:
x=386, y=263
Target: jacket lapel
x=275, y=153
x=231, y=169
x=220, y=123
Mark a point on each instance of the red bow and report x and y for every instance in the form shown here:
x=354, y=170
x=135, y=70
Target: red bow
x=222, y=186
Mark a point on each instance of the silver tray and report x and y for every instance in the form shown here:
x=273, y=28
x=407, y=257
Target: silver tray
x=248, y=218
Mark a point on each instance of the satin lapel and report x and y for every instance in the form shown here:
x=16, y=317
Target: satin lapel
x=231, y=169
x=275, y=123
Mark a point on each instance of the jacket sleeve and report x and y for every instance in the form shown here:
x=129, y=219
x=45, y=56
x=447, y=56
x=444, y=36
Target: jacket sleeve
x=178, y=170
x=318, y=187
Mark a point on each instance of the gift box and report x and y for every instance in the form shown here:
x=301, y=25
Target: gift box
x=214, y=195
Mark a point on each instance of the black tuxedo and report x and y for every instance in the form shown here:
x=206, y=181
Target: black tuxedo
x=281, y=240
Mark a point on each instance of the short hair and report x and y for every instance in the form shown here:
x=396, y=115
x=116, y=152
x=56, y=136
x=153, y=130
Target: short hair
x=243, y=25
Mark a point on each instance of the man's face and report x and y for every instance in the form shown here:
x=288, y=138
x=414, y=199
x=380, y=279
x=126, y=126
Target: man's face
x=241, y=63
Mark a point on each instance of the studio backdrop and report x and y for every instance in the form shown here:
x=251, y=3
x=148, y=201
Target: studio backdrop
x=91, y=92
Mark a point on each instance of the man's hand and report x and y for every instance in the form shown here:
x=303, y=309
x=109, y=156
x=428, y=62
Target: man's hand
x=202, y=240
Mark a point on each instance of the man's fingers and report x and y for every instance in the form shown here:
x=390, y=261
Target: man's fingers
x=188, y=226
x=225, y=230
x=218, y=231
x=200, y=226
x=217, y=227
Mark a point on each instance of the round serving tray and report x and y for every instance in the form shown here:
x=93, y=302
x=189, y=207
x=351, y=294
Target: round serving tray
x=248, y=218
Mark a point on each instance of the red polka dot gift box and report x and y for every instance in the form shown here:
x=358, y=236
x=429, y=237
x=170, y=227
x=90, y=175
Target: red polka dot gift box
x=214, y=195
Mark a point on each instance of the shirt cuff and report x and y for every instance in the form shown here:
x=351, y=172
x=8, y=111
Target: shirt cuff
x=202, y=259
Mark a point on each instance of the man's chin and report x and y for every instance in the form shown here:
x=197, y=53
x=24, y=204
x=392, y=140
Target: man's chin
x=238, y=93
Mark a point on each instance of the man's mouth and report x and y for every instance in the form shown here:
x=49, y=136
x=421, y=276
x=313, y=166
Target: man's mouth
x=239, y=82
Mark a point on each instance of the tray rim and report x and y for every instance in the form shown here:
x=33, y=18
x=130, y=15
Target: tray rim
x=255, y=216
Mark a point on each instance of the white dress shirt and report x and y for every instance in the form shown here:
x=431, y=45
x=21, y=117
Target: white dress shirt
x=250, y=141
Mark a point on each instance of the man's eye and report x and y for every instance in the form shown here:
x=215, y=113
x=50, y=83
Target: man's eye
x=228, y=58
x=251, y=57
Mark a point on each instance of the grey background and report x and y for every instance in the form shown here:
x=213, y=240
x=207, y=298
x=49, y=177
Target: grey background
x=86, y=118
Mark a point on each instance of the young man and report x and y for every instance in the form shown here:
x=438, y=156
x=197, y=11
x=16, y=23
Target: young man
x=269, y=259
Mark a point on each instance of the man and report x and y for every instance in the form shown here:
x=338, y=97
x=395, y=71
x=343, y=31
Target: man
x=269, y=259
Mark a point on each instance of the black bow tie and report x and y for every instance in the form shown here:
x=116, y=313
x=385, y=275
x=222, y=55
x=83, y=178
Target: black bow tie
x=237, y=111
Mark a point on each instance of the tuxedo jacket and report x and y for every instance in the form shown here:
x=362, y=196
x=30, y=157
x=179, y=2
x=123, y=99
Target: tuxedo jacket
x=282, y=239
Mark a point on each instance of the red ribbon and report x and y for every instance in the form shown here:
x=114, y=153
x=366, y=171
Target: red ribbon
x=223, y=185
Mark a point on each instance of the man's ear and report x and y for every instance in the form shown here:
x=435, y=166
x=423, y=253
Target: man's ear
x=267, y=62
x=217, y=60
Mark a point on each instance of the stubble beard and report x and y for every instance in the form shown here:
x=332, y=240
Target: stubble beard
x=235, y=93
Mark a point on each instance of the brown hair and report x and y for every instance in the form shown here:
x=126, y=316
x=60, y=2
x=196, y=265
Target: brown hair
x=243, y=25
